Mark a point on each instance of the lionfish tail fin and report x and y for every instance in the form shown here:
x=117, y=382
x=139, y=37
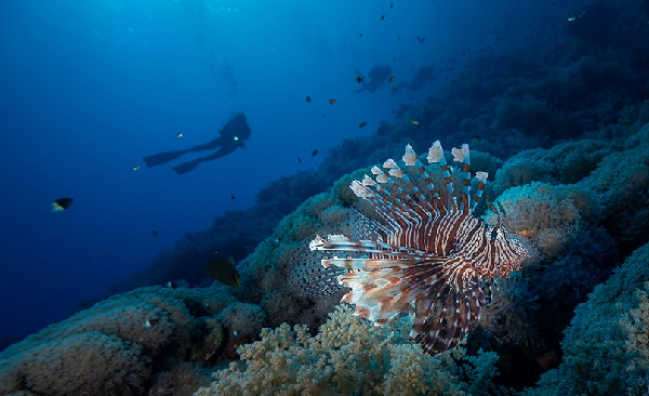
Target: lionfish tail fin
x=450, y=308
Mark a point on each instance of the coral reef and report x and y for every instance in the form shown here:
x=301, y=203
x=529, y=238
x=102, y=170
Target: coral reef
x=246, y=319
x=571, y=135
x=349, y=356
x=116, y=347
x=605, y=347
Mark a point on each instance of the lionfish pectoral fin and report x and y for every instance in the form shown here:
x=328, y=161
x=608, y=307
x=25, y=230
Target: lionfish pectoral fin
x=450, y=308
x=389, y=289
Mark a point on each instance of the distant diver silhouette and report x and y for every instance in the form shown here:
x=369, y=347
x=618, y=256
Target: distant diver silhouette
x=233, y=135
x=377, y=76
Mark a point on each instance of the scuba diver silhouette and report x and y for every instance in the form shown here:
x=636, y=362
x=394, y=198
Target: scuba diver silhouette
x=233, y=135
x=377, y=76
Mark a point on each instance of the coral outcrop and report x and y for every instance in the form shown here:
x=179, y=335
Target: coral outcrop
x=116, y=347
x=605, y=347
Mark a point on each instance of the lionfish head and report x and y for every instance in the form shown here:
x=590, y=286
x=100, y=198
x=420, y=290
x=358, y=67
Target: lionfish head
x=510, y=250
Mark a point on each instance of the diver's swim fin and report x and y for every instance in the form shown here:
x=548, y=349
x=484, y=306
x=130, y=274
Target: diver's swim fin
x=187, y=166
x=161, y=158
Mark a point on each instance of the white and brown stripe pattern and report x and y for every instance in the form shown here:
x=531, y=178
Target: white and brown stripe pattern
x=432, y=253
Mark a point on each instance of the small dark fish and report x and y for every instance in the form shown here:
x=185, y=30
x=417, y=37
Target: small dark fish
x=61, y=204
x=394, y=89
x=362, y=124
x=308, y=99
x=391, y=79
x=477, y=138
x=391, y=5
x=332, y=101
x=154, y=233
x=359, y=79
x=383, y=17
x=172, y=285
x=421, y=39
x=314, y=153
x=223, y=270
x=233, y=197
x=360, y=34
x=299, y=160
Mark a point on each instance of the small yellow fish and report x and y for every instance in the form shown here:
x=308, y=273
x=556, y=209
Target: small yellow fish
x=414, y=122
x=135, y=168
x=172, y=285
x=179, y=135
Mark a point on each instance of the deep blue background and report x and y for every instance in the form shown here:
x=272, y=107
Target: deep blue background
x=87, y=88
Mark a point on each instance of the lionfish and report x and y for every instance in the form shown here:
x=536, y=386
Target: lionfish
x=429, y=253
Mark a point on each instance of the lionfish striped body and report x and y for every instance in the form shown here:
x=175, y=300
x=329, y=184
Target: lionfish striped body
x=429, y=251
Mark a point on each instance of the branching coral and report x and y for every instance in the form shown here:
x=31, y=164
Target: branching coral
x=348, y=356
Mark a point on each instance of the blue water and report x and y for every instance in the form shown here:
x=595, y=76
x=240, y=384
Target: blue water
x=88, y=88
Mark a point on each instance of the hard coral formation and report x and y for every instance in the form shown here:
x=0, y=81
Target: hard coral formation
x=115, y=347
x=605, y=347
x=551, y=216
x=565, y=163
x=246, y=319
x=620, y=183
x=89, y=363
